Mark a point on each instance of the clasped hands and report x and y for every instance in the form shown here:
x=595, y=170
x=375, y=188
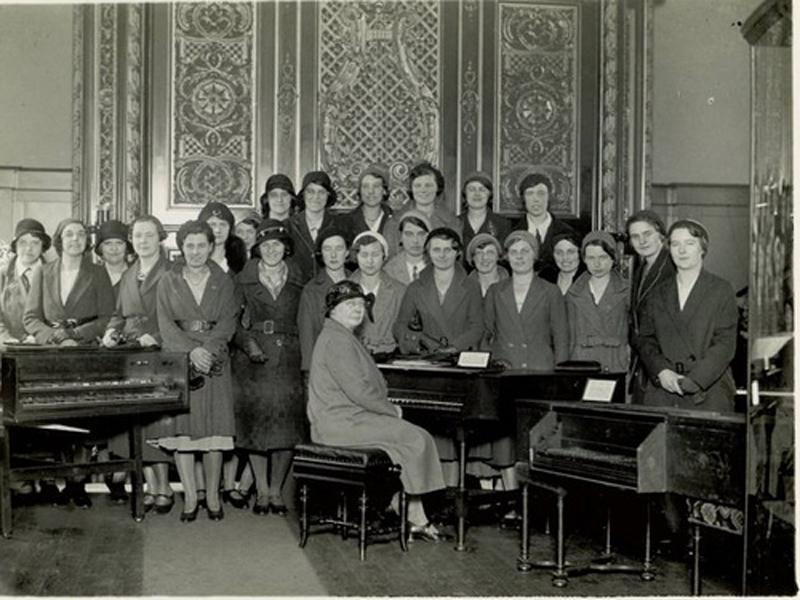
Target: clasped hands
x=677, y=384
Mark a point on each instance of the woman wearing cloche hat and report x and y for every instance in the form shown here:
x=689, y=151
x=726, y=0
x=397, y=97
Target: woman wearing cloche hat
x=269, y=403
x=348, y=404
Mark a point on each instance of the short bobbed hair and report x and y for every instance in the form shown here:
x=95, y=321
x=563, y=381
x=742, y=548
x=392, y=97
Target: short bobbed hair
x=193, y=227
x=422, y=169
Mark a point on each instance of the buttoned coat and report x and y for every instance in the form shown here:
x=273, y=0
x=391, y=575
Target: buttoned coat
x=459, y=318
x=269, y=403
x=211, y=406
x=535, y=337
x=135, y=313
x=699, y=341
x=91, y=296
x=378, y=336
x=348, y=406
x=599, y=331
x=641, y=287
x=13, y=295
x=305, y=248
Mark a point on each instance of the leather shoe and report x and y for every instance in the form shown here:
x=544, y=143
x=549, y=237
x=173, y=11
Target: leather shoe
x=77, y=491
x=215, y=515
x=50, y=494
x=261, y=509
x=426, y=532
x=278, y=509
x=236, y=498
x=188, y=517
x=164, y=507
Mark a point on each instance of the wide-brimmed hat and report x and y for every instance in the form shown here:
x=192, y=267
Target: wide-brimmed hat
x=272, y=229
x=279, y=181
x=112, y=230
x=480, y=240
x=219, y=210
x=32, y=227
x=345, y=290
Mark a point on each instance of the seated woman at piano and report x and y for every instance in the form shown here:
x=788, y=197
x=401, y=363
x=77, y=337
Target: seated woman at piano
x=348, y=404
x=687, y=334
x=70, y=303
x=597, y=307
x=135, y=324
x=370, y=250
x=441, y=314
x=197, y=308
x=526, y=327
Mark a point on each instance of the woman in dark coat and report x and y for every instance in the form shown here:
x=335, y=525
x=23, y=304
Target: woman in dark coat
x=597, y=307
x=197, y=309
x=230, y=251
x=651, y=265
x=113, y=247
x=317, y=196
x=135, y=322
x=373, y=211
x=687, y=335
x=348, y=405
x=269, y=405
x=477, y=215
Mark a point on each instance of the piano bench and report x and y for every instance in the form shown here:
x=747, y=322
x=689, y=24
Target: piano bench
x=365, y=471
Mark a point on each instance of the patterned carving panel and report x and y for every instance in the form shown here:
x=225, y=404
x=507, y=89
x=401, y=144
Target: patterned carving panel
x=378, y=89
x=212, y=103
x=610, y=150
x=132, y=207
x=537, y=106
x=107, y=87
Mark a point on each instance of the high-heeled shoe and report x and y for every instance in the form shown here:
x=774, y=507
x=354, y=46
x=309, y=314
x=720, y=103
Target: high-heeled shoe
x=261, y=509
x=188, y=517
x=277, y=507
x=164, y=507
x=426, y=532
x=215, y=515
x=236, y=498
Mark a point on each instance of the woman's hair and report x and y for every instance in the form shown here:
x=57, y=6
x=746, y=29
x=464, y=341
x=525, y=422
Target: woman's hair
x=444, y=233
x=647, y=216
x=607, y=248
x=379, y=175
x=365, y=240
x=193, y=227
x=294, y=207
x=695, y=229
x=425, y=168
x=484, y=180
x=414, y=221
x=58, y=243
x=162, y=233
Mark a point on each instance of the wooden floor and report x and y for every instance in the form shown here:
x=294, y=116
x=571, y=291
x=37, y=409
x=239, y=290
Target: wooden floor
x=67, y=551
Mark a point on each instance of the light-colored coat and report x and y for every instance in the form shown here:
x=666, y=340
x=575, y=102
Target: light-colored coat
x=377, y=335
x=12, y=302
x=599, y=331
x=90, y=296
x=459, y=318
x=348, y=406
x=701, y=338
x=210, y=407
x=535, y=337
x=396, y=268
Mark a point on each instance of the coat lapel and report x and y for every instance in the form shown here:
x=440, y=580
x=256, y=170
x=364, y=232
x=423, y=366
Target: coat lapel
x=54, y=271
x=153, y=277
x=83, y=282
x=430, y=296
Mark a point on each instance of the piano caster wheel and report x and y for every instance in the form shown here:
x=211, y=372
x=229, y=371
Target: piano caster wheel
x=523, y=566
x=648, y=576
x=560, y=582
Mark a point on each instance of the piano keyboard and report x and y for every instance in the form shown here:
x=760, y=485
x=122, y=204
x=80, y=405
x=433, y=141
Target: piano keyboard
x=431, y=402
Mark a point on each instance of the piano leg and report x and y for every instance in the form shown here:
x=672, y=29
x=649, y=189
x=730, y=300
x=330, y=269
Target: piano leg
x=303, y=514
x=403, y=521
x=524, y=542
x=5, y=482
x=362, y=526
x=461, y=493
x=647, y=572
x=560, y=574
x=137, y=476
x=696, y=560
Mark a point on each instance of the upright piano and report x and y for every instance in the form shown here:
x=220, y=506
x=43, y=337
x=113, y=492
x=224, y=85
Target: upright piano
x=45, y=385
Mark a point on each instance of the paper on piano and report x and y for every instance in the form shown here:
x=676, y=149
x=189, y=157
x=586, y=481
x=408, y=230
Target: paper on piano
x=599, y=390
x=67, y=428
x=411, y=362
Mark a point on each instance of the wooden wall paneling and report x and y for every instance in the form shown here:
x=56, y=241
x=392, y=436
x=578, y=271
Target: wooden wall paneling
x=470, y=74
x=105, y=95
x=308, y=118
x=265, y=94
x=81, y=75
x=487, y=80
x=286, y=148
x=537, y=119
x=449, y=73
x=613, y=116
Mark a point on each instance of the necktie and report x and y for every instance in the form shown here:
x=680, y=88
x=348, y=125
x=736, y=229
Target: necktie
x=25, y=281
x=539, y=240
x=414, y=273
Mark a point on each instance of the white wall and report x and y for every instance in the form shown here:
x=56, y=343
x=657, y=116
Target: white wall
x=701, y=92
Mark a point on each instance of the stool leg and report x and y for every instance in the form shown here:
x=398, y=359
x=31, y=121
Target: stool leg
x=303, y=514
x=362, y=527
x=696, y=561
x=647, y=573
x=522, y=562
x=560, y=574
x=403, y=521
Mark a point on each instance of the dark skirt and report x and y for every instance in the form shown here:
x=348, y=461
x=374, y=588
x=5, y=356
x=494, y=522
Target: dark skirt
x=270, y=406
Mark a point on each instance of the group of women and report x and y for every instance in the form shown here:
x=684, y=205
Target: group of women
x=284, y=315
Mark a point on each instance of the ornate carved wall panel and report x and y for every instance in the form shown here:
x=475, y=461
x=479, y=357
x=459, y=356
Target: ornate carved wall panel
x=212, y=103
x=378, y=85
x=537, y=100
